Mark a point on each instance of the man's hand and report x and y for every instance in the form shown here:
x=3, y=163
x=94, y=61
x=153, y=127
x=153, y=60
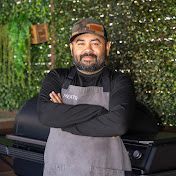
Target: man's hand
x=55, y=98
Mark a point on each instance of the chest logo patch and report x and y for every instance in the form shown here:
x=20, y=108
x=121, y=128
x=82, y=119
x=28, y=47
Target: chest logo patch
x=70, y=97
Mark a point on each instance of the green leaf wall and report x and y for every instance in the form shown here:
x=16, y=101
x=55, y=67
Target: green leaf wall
x=143, y=35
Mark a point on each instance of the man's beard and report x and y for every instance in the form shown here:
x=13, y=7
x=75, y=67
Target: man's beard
x=97, y=65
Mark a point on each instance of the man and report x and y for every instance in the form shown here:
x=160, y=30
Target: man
x=88, y=108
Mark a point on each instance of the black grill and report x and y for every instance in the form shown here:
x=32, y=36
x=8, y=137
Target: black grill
x=151, y=154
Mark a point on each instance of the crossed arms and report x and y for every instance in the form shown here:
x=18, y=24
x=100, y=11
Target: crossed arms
x=84, y=119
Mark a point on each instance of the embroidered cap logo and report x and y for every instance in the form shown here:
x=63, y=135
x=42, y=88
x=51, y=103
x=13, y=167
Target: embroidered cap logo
x=96, y=28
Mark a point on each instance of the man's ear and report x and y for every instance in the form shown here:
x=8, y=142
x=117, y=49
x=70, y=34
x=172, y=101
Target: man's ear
x=71, y=49
x=108, y=46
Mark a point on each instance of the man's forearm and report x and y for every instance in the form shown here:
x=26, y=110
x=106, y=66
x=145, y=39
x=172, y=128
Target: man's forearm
x=115, y=122
x=106, y=125
x=62, y=115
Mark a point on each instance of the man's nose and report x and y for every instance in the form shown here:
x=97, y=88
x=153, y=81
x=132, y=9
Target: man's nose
x=88, y=48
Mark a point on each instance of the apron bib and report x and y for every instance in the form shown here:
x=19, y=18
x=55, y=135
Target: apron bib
x=67, y=154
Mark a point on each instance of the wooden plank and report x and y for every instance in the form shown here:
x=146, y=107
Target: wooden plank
x=169, y=129
x=6, y=126
x=7, y=115
x=9, y=173
x=7, y=121
x=5, y=167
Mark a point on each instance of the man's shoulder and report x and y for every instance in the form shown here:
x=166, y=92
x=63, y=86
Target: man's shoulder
x=118, y=77
x=117, y=74
x=62, y=71
x=59, y=72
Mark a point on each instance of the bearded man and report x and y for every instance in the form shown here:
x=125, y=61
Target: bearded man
x=87, y=108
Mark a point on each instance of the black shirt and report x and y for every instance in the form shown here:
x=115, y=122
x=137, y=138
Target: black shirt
x=84, y=119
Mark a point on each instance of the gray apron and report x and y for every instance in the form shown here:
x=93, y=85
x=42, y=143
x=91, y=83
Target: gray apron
x=67, y=154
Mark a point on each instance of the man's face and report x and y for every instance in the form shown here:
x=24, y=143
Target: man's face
x=89, y=52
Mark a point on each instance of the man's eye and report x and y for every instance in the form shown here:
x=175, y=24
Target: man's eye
x=80, y=43
x=96, y=44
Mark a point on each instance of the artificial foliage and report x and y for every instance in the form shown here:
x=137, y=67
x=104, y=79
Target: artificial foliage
x=19, y=47
x=22, y=65
x=143, y=45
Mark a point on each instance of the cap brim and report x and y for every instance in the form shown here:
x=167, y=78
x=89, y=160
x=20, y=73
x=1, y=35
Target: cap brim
x=74, y=36
x=91, y=32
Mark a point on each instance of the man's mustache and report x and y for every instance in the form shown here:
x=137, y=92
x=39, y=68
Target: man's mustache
x=88, y=54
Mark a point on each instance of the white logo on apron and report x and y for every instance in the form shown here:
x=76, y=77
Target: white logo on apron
x=72, y=97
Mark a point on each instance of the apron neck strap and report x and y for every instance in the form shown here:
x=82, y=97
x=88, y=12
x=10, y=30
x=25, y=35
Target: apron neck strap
x=69, y=78
x=105, y=79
